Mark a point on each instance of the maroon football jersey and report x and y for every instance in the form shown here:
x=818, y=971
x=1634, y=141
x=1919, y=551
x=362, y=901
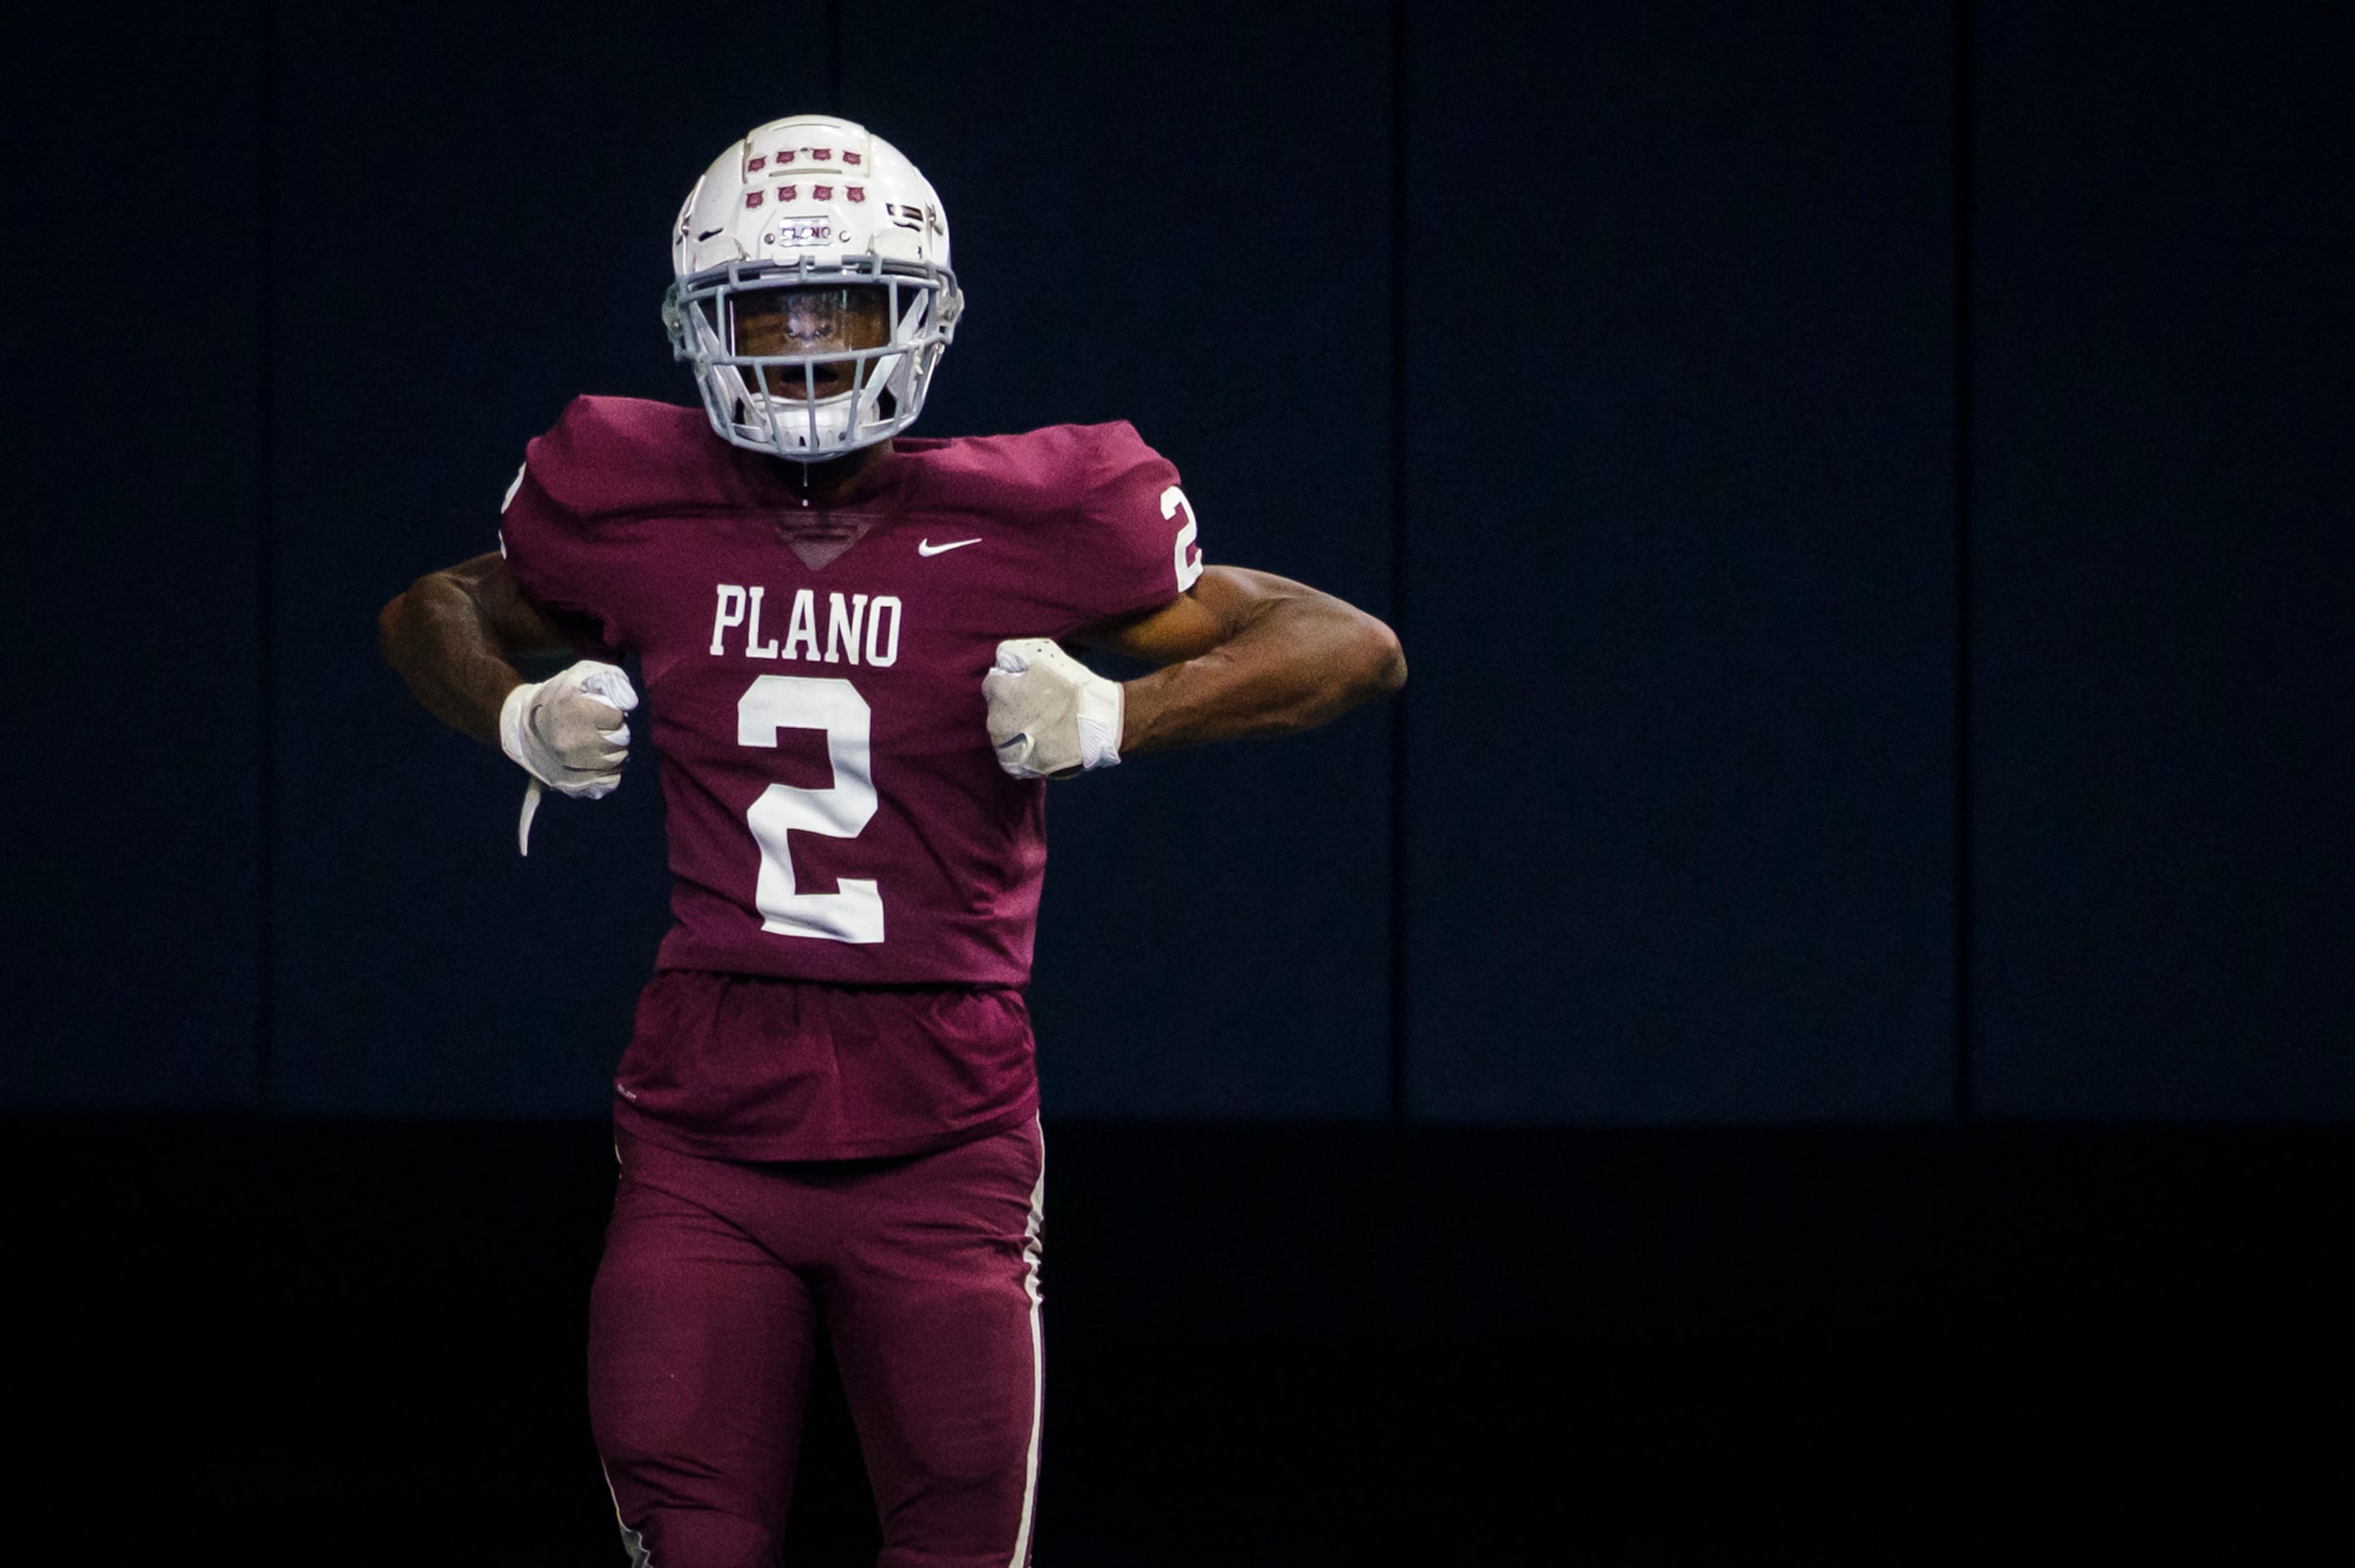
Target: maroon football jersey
x=835, y=810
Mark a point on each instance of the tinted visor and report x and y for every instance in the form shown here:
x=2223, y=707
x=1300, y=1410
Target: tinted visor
x=841, y=319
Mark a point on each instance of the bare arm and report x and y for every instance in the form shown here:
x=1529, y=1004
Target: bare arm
x=1246, y=653
x=453, y=634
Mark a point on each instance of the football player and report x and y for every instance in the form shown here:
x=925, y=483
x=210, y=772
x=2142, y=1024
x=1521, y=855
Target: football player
x=851, y=639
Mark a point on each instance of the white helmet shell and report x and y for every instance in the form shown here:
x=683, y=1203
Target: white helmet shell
x=811, y=200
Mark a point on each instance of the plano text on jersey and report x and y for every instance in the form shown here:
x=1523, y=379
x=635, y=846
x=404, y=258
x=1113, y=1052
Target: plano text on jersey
x=855, y=625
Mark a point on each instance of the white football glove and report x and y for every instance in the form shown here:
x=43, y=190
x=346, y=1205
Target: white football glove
x=568, y=731
x=1049, y=714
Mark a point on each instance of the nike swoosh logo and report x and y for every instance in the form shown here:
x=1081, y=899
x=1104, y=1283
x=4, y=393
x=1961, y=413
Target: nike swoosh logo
x=926, y=547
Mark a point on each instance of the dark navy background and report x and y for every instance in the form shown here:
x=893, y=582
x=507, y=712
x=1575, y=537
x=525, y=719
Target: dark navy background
x=1780, y=1044
x=1620, y=358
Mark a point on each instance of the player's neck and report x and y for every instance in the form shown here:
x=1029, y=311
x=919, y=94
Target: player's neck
x=836, y=480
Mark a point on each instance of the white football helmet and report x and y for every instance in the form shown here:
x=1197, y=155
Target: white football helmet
x=809, y=203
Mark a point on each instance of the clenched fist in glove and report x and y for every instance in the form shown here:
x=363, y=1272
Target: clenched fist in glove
x=568, y=730
x=1049, y=714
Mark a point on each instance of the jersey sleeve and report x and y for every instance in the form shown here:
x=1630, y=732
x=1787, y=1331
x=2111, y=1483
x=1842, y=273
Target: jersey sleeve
x=1131, y=545
x=554, y=556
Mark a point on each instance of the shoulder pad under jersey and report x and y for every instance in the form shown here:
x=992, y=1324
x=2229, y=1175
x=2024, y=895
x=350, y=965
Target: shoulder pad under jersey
x=608, y=456
x=1053, y=470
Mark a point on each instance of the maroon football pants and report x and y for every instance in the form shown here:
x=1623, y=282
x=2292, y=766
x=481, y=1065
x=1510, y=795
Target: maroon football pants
x=702, y=1325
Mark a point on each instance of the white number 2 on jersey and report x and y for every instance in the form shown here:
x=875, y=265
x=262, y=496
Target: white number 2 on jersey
x=1190, y=566
x=795, y=702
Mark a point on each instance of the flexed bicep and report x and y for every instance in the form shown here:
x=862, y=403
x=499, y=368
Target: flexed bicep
x=1222, y=602
x=515, y=621
x=453, y=634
